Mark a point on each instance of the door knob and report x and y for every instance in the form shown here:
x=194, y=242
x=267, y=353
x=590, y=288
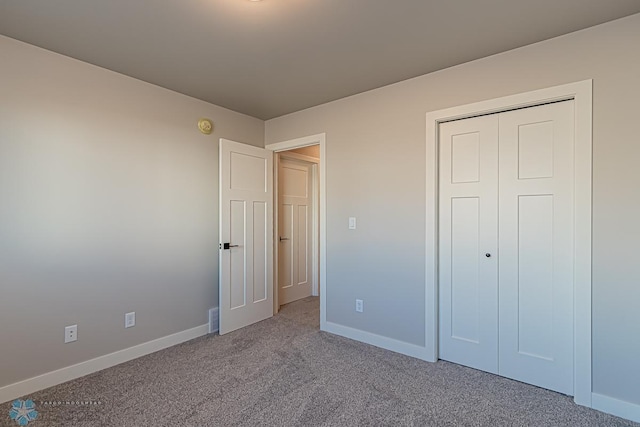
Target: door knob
x=283, y=238
x=488, y=255
x=227, y=246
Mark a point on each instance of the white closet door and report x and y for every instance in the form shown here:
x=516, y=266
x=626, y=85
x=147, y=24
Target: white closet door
x=468, y=232
x=536, y=245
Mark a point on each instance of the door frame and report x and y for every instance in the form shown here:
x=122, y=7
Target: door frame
x=582, y=94
x=313, y=162
x=318, y=139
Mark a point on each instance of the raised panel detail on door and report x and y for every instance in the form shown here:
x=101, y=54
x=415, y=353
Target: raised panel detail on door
x=304, y=255
x=468, y=230
x=535, y=150
x=465, y=158
x=238, y=278
x=294, y=182
x=248, y=172
x=295, y=224
x=285, y=246
x=535, y=276
x=260, y=249
x=536, y=245
x=465, y=280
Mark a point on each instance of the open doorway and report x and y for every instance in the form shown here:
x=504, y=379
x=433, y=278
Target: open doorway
x=299, y=223
x=296, y=224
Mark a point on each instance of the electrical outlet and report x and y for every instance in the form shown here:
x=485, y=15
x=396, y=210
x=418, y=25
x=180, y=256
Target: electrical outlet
x=359, y=306
x=130, y=319
x=70, y=333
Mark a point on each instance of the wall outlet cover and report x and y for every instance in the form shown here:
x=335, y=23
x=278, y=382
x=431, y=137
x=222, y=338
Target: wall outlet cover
x=130, y=319
x=70, y=333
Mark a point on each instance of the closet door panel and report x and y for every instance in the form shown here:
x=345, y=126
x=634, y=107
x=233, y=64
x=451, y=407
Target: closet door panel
x=536, y=245
x=468, y=231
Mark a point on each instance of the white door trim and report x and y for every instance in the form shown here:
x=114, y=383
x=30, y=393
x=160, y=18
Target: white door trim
x=296, y=156
x=319, y=139
x=581, y=92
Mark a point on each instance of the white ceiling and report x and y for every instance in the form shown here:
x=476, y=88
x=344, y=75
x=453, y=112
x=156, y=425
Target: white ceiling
x=274, y=57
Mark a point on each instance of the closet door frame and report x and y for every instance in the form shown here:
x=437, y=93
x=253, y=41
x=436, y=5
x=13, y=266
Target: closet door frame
x=581, y=93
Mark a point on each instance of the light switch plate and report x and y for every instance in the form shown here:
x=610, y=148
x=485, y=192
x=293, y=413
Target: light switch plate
x=352, y=223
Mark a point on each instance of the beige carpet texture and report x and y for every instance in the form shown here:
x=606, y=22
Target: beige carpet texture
x=285, y=372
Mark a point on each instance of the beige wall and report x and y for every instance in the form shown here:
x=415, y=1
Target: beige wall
x=109, y=199
x=376, y=172
x=108, y=204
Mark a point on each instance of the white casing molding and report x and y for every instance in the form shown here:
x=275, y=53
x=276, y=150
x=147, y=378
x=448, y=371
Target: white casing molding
x=319, y=139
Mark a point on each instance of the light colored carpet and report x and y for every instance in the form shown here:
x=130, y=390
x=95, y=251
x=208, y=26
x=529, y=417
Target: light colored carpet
x=285, y=372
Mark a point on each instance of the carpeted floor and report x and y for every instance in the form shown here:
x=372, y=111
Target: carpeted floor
x=285, y=372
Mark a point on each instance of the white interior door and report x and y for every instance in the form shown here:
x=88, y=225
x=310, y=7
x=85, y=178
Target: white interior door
x=506, y=244
x=295, y=218
x=246, y=235
x=536, y=245
x=468, y=231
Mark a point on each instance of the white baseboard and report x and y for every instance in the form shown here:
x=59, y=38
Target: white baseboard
x=23, y=388
x=377, y=340
x=619, y=408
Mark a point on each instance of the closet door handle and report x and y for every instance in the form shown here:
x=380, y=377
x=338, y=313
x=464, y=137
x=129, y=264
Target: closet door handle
x=283, y=238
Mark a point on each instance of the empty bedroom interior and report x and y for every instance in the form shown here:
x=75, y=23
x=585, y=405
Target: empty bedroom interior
x=110, y=204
